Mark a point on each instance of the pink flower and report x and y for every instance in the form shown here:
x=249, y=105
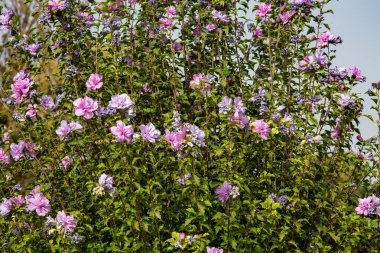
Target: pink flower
x=263, y=10
x=122, y=132
x=85, y=107
x=166, y=23
x=199, y=82
x=325, y=38
x=19, y=200
x=66, y=161
x=31, y=112
x=364, y=206
x=262, y=128
x=150, y=133
x=65, y=222
x=176, y=138
x=258, y=32
x=94, y=82
x=214, y=250
x=20, y=89
x=357, y=74
x=38, y=203
x=171, y=11
x=211, y=27
x=56, y=4
x=4, y=157
x=122, y=101
x=285, y=18
x=335, y=131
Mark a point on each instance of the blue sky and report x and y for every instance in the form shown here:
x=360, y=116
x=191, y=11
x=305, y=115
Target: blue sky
x=358, y=23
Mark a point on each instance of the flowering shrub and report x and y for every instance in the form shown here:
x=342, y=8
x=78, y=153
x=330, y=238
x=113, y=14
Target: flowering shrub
x=190, y=126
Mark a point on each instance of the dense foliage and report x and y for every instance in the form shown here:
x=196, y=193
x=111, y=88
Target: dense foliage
x=188, y=126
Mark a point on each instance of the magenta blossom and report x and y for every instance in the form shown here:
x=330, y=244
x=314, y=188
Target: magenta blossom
x=214, y=250
x=258, y=32
x=150, y=133
x=166, y=23
x=263, y=10
x=37, y=202
x=357, y=74
x=122, y=132
x=285, y=18
x=31, y=111
x=66, y=161
x=325, y=38
x=20, y=89
x=176, y=138
x=223, y=191
x=262, y=128
x=171, y=11
x=85, y=107
x=94, y=82
x=65, y=222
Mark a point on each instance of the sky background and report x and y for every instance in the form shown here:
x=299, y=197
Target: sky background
x=358, y=23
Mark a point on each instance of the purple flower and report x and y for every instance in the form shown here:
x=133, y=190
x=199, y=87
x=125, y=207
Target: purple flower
x=47, y=102
x=183, y=180
x=5, y=17
x=33, y=49
x=197, y=136
x=262, y=128
x=17, y=150
x=220, y=16
x=321, y=58
x=85, y=107
x=56, y=5
x=214, y=250
x=65, y=129
x=263, y=10
x=308, y=63
x=335, y=131
x=122, y=132
x=94, y=82
x=5, y=207
x=37, y=202
x=150, y=133
x=106, y=181
x=65, y=222
x=176, y=46
x=66, y=161
x=225, y=105
x=223, y=191
x=4, y=157
x=258, y=32
x=344, y=100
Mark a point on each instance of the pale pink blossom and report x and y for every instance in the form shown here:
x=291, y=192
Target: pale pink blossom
x=85, y=107
x=263, y=10
x=122, y=132
x=94, y=82
x=65, y=222
x=38, y=203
